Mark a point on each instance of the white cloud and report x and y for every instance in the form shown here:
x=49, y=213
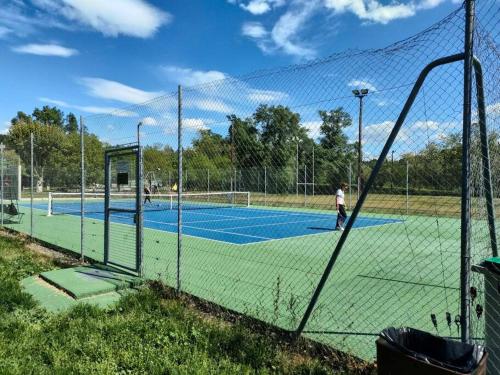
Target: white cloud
x=378, y=133
x=313, y=127
x=15, y=17
x=493, y=109
x=266, y=96
x=212, y=105
x=6, y=127
x=106, y=89
x=254, y=30
x=378, y=12
x=285, y=33
x=258, y=7
x=372, y=10
x=194, y=124
x=362, y=84
x=135, y=18
x=149, y=121
x=4, y=31
x=425, y=125
x=89, y=109
x=190, y=77
x=45, y=50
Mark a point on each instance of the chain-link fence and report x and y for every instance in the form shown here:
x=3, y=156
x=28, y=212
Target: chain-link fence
x=264, y=157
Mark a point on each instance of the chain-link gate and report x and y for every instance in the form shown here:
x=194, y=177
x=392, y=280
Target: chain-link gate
x=123, y=208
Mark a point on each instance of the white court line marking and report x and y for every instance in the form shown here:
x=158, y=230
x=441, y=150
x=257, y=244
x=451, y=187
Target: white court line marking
x=269, y=225
x=198, y=228
x=237, y=234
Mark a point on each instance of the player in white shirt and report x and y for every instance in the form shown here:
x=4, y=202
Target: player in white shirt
x=340, y=203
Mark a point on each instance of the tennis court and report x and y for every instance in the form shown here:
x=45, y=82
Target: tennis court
x=225, y=217
x=285, y=251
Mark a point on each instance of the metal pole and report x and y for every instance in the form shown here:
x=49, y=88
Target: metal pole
x=360, y=146
x=392, y=171
x=350, y=186
x=465, y=267
x=313, y=171
x=208, y=181
x=305, y=184
x=488, y=187
x=179, y=188
x=82, y=189
x=31, y=184
x=407, y=187
x=390, y=141
x=2, y=148
x=297, y=170
x=265, y=186
x=139, y=182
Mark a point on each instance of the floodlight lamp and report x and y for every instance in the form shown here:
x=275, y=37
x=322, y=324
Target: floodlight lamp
x=355, y=92
x=364, y=91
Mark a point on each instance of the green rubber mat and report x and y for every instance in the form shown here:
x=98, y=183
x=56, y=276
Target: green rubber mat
x=87, y=281
x=55, y=300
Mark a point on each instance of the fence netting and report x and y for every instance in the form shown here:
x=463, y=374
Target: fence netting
x=264, y=156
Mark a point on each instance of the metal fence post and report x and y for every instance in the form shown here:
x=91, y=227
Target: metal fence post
x=179, y=187
x=31, y=184
x=350, y=186
x=82, y=189
x=305, y=184
x=465, y=250
x=265, y=186
x=407, y=187
x=313, y=162
x=2, y=149
x=208, y=181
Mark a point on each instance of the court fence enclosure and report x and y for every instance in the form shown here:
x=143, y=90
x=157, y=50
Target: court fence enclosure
x=240, y=178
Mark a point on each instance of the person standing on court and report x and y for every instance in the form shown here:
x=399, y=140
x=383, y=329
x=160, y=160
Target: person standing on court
x=340, y=203
x=147, y=195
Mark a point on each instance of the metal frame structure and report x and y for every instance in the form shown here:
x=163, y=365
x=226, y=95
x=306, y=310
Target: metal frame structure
x=465, y=271
x=109, y=154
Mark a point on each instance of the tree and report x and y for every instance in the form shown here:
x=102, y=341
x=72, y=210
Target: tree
x=333, y=137
x=49, y=116
x=49, y=145
x=280, y=132
x=21, y=117
x=245, y=143
x=334, y=152
x=71, y=125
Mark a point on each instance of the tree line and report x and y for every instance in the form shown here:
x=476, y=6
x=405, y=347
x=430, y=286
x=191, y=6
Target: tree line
x=273, y=138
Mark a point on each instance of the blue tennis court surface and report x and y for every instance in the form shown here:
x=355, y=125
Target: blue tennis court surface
x=241, y=225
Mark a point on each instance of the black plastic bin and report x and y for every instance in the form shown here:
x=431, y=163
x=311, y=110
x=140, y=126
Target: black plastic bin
x=408, y=351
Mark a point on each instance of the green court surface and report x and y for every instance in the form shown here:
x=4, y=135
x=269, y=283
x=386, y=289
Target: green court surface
x=393, y=275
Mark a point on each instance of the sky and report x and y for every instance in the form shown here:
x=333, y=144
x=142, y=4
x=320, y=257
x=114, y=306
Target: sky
x=93, y=56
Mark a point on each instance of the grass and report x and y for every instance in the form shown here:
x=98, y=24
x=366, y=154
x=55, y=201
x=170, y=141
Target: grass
x=441, y=206
x=149, y=332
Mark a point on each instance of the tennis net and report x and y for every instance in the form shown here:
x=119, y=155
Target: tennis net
x=69, y=203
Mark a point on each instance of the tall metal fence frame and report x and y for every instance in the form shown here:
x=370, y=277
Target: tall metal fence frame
x=296, y=186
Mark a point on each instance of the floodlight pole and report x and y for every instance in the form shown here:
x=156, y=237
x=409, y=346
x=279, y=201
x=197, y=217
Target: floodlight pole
x=360, y=94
